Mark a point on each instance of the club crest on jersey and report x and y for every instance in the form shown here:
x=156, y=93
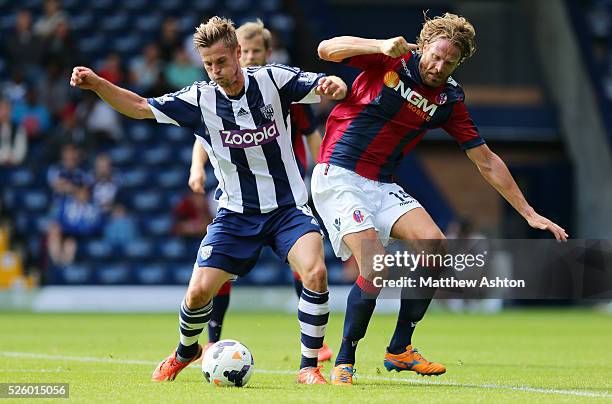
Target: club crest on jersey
x=358, y=216
x=441, y=98
x=241, y=139
x=267, y=111
x=205, y=252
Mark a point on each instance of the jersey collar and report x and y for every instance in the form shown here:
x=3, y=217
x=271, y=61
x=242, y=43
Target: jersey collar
x=242, y=92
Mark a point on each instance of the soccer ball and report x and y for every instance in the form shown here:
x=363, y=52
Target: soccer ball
x=228, y=363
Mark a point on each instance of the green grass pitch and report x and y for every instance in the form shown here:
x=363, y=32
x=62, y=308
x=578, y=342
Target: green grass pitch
x=534, y=356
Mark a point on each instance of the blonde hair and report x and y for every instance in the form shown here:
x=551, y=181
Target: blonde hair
x=250, y=30
x=452, y=27
x=214, y=30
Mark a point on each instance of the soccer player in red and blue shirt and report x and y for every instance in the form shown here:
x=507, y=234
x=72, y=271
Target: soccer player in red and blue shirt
x=403, y=91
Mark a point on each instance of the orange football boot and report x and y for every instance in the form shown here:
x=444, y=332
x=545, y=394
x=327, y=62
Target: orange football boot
x=412, y=360
x=169, y=368
x=325, y=353
x=342, y=375
x=311, y=375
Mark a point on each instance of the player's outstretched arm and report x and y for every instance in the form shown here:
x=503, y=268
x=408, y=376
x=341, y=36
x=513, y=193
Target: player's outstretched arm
x=342, y=47
x=124, y=101
x=331, y=87
x=495, y=171
x=197, y=174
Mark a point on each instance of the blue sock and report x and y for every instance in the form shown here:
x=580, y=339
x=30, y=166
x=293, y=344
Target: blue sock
x=359, y=308
x=410, y=313
x=313, y=313
x=220, y=305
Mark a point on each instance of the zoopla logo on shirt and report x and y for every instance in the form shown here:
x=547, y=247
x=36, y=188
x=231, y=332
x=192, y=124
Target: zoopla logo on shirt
x=241, y=139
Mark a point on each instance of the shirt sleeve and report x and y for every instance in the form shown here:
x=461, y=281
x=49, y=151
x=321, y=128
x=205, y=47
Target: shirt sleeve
x=461, y=127
x=373, y=61
x=296, y=85
x=180, y=108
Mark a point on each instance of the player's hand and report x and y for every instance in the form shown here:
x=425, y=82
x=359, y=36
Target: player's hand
x=197, y=179
x=540, y=222
x=331, y=87
x=396, y=47
x=84, y=78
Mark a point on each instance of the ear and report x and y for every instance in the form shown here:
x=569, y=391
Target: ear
x=268, y=54
x=238, y=51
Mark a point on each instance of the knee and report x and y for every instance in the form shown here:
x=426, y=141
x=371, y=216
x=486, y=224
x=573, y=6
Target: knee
x=433, y=234
x=316, y=278
x=432, y=240
x=197, y=296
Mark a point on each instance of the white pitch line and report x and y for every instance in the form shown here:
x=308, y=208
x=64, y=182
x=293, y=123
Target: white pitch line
x=288, y=372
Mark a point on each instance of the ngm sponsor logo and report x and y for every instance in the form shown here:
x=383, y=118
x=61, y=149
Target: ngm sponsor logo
x=241, y=139
x=417, y=103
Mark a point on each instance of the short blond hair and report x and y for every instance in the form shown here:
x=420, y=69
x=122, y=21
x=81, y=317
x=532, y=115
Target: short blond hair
x=452, y=27
x=214, y=30
x=251, y=29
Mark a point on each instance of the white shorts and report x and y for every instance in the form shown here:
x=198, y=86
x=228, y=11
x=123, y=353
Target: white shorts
x=349, y=203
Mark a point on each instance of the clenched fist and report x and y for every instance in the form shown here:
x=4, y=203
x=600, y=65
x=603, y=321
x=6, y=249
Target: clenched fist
x=84, y=78
x=396, y=47
x=331, y=87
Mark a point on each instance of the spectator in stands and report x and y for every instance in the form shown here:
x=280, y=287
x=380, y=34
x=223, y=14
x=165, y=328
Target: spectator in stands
x=192, y=53
x=191, y=216
x=13, y=138
x=69, y=130
x=170, y=39
x=54, y=14
x=180, y=72
x=161, y=86
x=145, y=69
x=64, y=178
x=53, y=93
x=23, y=47
x=101, y=122
x=121, y=227
x=16, y=88
x=59, y=46
x=279, y=52
x=32, y=115
x=111, y=69
x=105, y=185
x=76, y=217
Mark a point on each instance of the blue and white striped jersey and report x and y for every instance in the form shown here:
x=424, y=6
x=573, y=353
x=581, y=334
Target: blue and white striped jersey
x=247, y=137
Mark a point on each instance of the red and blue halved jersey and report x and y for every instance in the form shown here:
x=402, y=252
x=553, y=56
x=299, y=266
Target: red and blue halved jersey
x=387, y=114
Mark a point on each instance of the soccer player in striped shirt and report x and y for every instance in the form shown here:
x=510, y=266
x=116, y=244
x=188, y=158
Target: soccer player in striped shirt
x=255, y=43
x=403, y=91
x=240, y=118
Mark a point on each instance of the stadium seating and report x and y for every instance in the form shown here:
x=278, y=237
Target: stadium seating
x=152, y=160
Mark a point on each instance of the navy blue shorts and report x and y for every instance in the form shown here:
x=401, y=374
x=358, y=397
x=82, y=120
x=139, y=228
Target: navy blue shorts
x=234, y=241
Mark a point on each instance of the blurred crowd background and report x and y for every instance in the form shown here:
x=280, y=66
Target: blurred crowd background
x=90, y=197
